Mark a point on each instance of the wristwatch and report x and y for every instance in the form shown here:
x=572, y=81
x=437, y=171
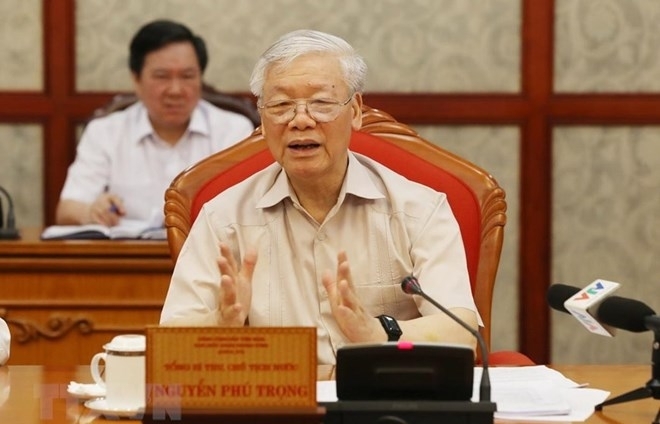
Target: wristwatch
x=391, y=327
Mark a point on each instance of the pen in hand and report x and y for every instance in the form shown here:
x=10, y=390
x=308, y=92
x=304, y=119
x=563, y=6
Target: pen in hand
x=113, y=206
x=107, y=209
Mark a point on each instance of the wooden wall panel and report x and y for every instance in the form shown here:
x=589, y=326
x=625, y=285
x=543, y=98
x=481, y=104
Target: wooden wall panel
x=535, y=110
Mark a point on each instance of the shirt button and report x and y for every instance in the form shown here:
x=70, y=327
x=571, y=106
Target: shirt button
x=321, y=236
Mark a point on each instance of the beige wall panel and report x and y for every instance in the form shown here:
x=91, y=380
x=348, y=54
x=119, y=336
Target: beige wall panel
x=496, y=149
x=21, y=171
x=21, y=45
x=605, y=225
x=607, y=46
x=409, y=45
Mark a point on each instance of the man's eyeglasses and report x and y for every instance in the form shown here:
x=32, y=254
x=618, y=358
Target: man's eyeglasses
x=320, y=110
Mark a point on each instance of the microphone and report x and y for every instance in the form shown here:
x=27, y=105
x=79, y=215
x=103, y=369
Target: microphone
x=558, y=294
x=584, y=304
x=410, y=285
x=613, y=311
x=8, y=232
x=625, y=314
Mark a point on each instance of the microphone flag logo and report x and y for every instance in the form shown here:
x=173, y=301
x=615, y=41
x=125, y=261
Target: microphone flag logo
x=583, y=304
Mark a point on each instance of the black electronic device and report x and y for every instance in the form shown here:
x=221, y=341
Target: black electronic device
x=411, y=383
x=406, y=383
x=8, y=230
x=405, y=371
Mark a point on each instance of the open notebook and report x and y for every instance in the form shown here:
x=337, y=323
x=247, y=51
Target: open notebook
x=126, y=229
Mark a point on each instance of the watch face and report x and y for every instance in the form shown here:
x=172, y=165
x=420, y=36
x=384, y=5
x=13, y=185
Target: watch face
x=391, y=328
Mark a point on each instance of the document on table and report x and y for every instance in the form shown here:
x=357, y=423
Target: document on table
x=538, y=393
x=535, y=393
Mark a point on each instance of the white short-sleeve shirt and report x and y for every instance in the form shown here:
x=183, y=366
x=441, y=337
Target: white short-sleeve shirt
x=122, y=154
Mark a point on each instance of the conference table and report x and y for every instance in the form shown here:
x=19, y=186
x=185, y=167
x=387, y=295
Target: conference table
x=38, y=394
x=64, y=299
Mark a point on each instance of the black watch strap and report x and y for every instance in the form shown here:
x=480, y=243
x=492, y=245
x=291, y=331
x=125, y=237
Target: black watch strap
x=391, y=327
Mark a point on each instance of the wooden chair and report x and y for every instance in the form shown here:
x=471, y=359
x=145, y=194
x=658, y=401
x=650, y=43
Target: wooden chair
x=477, y=201
x=232, y=103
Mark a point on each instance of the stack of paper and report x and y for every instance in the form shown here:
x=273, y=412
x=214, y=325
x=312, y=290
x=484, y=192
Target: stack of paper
x=538, y=393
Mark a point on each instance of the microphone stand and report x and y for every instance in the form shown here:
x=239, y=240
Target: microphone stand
x=410, y=285
x=484, y=386
x=652, y=387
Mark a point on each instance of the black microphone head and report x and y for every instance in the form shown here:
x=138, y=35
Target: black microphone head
x=558, y=294
x=410, y=285
x=626, y=314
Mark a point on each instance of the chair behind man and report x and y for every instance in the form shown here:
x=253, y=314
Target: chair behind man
x=232, y=103
x=476, y=199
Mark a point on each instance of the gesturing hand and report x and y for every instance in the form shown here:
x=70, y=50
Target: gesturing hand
x=235, y=287
x=353, y=319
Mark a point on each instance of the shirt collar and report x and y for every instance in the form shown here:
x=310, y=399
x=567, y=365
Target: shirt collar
x=199, y=122
x=143, y=128
x=358, y=182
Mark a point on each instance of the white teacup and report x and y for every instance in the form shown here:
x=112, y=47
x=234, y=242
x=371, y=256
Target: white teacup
x=124, y=380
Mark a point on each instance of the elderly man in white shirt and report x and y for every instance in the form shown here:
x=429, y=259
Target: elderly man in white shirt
x=324, y=236
x=126, y=160
x=5, y=341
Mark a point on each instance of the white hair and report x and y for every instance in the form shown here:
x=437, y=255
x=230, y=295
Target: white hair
x=304, y=41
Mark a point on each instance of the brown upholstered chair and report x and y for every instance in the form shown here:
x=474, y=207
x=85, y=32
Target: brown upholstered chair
x=475, y=197
x=232, y=103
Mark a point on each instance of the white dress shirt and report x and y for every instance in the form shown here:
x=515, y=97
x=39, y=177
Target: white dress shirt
x=122, y=154
x=388, y=226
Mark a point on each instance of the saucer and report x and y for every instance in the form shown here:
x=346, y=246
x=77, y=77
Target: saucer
x=100, y=405
x=85, y=391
